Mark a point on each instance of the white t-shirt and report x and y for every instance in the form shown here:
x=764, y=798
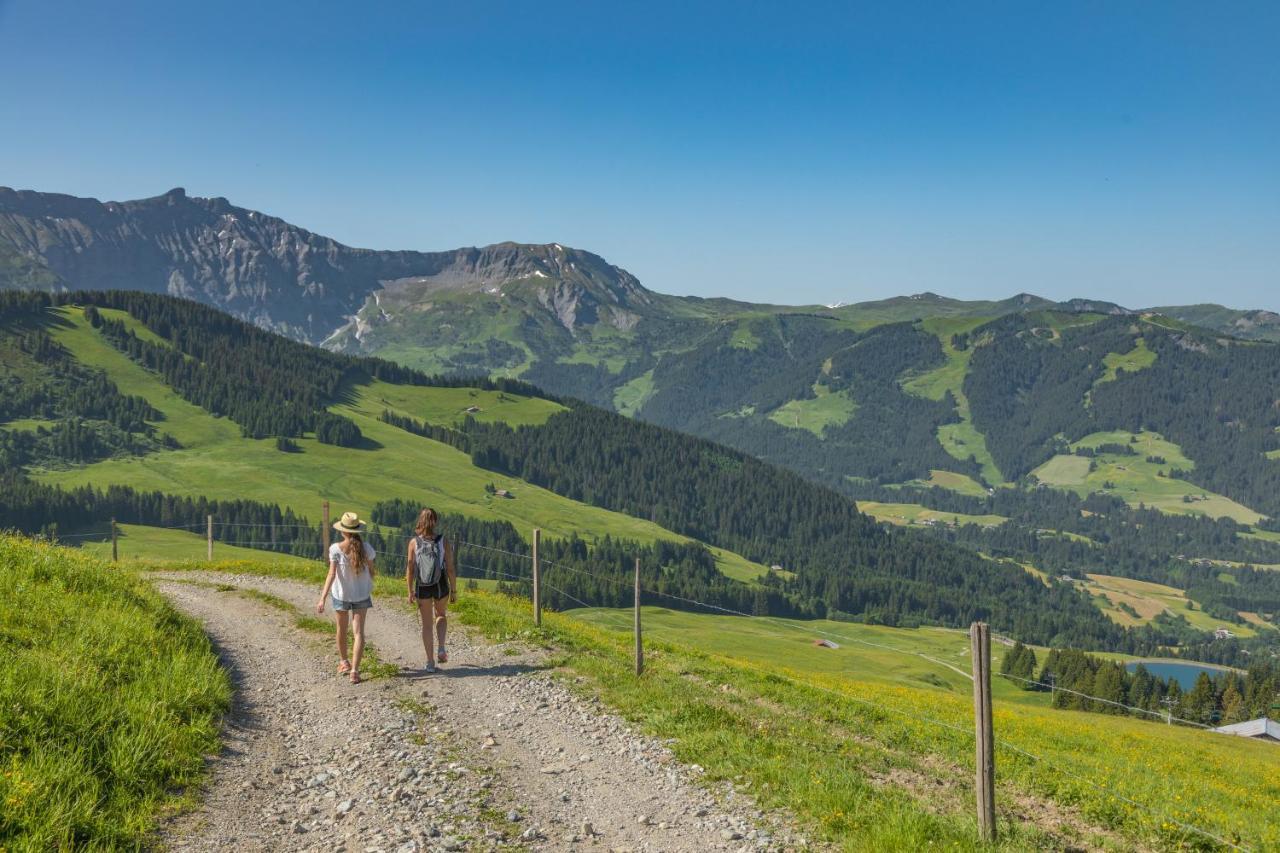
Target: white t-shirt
x=347, y=584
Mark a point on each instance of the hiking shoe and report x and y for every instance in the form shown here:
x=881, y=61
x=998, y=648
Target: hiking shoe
x=442, y=655
x=430, y=668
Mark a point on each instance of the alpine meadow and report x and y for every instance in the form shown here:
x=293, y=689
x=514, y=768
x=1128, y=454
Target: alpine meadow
x=679, y=428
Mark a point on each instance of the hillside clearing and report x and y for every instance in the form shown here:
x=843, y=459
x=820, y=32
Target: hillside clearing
x=1139, y=358
x=217, y=462
x=1148, y=600
x=1136, y=479
x=961, y=439
x=631, y=396
x=906, y=513
x=958, y=483
x=816, y=413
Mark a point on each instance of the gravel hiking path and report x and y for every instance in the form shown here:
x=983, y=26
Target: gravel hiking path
x=491, y=753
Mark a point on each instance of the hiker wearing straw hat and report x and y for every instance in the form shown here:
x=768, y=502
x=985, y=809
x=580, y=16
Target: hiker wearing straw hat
x=349, y=586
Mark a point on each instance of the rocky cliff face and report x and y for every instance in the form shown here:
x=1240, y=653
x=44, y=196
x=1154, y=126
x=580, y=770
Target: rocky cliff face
x=272, y=273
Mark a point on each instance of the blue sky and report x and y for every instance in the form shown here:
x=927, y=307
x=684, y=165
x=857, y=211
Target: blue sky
x=773, y=152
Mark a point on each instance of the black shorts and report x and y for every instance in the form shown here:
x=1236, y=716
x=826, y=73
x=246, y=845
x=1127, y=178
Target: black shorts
x=437, y=590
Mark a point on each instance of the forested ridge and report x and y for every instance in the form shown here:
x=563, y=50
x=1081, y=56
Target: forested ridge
x=726, y=392
x=845, y=565
x=81, y=416
x=839, y=563
x=1033, y=393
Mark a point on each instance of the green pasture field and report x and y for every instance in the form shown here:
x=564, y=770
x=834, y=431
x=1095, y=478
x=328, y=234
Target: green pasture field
x=109, y=702
x=133, y=324
x=816, y=414
x=743, y=336
x=1149, y=600
x=1138, y=481
x=448, y=406
x=1263, y=535
x=1139, y=358
x=874, y=749
x=631, y=396
x=402, y=342
x=156, y=544
x=28, y=424
x=217, y=462
x=958, y=483
x=961, y=439
x=905, y=513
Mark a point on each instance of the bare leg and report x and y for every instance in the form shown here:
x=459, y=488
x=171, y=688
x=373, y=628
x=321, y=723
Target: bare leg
x=357, y=623
x=341, y=617
x=424, y=611
x=442, y=620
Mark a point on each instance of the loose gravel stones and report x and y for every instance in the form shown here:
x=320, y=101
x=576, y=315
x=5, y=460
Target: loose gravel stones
x=492, y=753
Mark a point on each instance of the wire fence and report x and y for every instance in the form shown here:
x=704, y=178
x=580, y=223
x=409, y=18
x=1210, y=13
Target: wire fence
x=388, y=536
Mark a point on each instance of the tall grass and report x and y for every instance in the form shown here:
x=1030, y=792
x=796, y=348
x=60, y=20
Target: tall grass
x=863, y=763
x=109, y=700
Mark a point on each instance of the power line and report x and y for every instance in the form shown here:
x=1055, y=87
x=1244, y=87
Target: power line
x=1046, y=686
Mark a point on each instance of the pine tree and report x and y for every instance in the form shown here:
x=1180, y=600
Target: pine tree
x=1233, y=707
x=1108, y=685
x=1200, y=705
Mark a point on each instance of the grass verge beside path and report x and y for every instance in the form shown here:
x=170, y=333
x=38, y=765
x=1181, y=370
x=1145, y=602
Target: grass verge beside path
x=109, y=701
x=870, y=765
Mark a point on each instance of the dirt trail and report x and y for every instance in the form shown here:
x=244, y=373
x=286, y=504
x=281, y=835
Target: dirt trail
x=490, y=753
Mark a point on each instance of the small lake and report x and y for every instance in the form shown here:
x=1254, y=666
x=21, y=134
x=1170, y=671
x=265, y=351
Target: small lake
x=1186, y=673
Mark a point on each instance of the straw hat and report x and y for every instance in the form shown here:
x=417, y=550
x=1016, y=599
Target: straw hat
x=349, y=523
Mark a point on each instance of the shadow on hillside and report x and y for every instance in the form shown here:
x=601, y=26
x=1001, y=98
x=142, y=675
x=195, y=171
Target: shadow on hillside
x=17, y=322
x=366, y=443
x=346, y=394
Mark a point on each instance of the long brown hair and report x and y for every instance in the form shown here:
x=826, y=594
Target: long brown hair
x=353, y=547
x=427, y=521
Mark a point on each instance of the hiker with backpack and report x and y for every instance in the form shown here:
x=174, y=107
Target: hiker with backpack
x=350, y=584
x=433, y=583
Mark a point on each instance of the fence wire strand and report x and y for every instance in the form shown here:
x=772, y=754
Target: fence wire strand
x=675, y=641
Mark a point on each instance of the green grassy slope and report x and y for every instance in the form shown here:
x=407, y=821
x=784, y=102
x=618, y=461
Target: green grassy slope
x=109, y=701
x=816, y=413
x=871, y=746
x=1137, y=480
x=1148, y=600
x=217, y=462
x=908, y=513
x=154, y=544
x=1138, y=358
x=961, y=439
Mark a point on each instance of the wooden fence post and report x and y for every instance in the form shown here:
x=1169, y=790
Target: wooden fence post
x=985, y=780
x=537, y=579
x=639, y=639
x=209, y=540
x=324, y=535
x=115, y=548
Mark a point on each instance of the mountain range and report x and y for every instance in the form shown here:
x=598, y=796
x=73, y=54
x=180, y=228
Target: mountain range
x=311, y=287
x=913, y=391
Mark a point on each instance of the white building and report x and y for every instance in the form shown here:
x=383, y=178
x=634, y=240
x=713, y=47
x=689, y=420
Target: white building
x=1262, y=728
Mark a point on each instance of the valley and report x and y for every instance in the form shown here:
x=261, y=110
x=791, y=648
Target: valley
x=216, y=461
x=873, y=476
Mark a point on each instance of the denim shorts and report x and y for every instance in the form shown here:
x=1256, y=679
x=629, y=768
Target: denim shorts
x=351, y=605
